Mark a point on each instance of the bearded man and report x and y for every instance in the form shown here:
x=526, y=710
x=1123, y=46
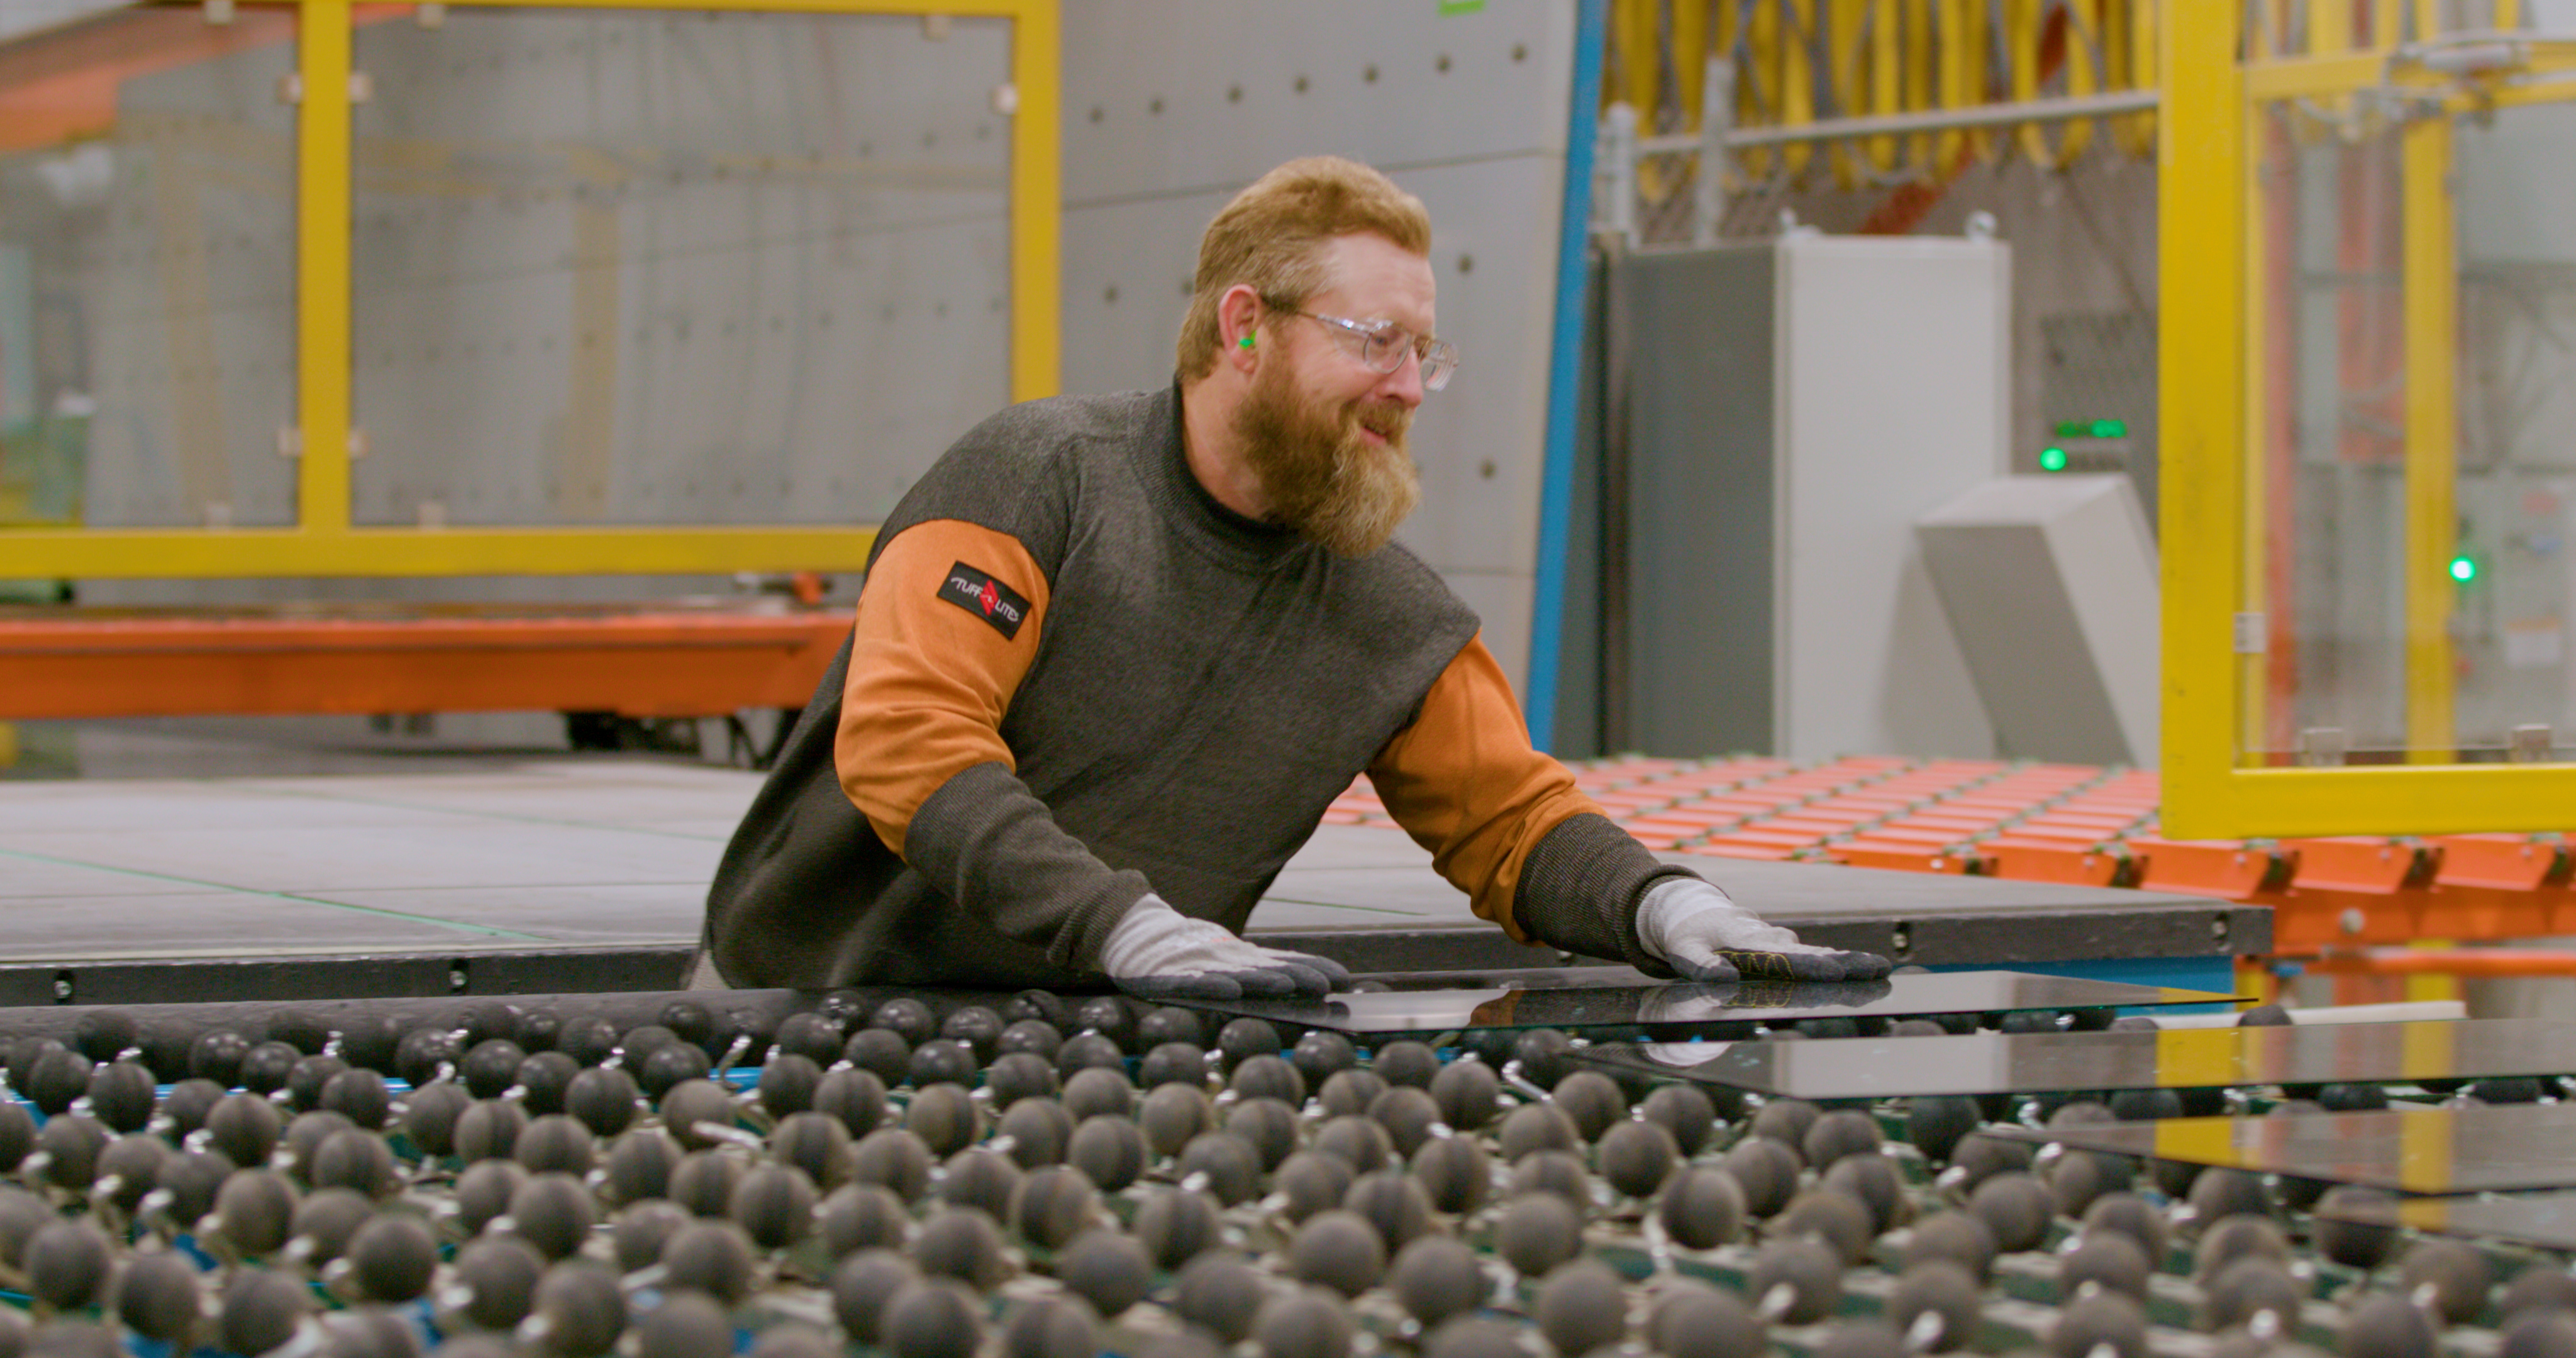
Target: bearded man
x=1115, y=655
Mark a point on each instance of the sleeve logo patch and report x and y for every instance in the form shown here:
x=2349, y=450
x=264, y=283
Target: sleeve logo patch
x=986, y=598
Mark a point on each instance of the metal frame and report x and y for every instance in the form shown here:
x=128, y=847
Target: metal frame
x=2214, y=524
x=324, y=542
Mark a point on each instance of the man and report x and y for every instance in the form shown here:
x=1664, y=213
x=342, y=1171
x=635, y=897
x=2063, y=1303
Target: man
x=1115, y=656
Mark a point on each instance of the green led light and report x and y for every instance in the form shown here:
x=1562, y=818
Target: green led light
x=2463, y=569
x=2052, y=459
x=2092, y=429
x=2110, y=429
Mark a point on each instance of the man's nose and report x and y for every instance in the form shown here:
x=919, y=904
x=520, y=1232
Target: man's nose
x=1405, y=383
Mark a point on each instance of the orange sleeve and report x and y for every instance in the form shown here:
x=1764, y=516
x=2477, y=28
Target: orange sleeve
x=948, y=623
x=1464, y=782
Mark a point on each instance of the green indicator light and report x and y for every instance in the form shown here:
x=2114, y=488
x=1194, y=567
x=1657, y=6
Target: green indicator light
x=2110, y=429
x=2074, y=429
x=2052, y=459
x=2463, y=569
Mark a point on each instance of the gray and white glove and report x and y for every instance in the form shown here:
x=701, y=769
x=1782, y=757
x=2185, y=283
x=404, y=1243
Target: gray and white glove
x=1156, y=952
x=1698, y=932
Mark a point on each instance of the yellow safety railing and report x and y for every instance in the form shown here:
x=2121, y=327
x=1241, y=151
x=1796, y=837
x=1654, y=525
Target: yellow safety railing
x=323, y=540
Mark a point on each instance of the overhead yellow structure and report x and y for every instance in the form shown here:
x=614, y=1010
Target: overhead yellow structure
x=2367, y=102
x=324, y=540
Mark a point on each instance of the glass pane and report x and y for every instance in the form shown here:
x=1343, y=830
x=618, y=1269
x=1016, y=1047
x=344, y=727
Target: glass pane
x=2517, y=487
x=2473, y=666
x=621, y=267
x=147, y=271
x=2327, y=453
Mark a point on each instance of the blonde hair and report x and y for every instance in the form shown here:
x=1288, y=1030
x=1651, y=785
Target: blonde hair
x=1272, y=236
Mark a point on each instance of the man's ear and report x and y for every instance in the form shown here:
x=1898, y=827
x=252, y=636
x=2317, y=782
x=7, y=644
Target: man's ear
x=1238, y=324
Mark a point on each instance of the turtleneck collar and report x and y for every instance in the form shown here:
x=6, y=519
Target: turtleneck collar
x=1165, y=468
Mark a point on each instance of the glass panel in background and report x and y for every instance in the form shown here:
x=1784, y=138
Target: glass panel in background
x=2517, y=398
x=655, y=267
x=2326, y=444
x=147, y=270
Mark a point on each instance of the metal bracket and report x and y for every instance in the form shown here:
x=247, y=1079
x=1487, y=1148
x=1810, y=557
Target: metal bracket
x=2250, y=628
x=2324, y=747
x=1615, y=174
x=1716, y=119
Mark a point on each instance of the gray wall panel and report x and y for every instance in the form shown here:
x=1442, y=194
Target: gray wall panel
x=1169, y=95
x=1482, y=142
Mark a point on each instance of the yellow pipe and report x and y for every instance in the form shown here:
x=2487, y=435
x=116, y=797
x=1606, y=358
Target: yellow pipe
x=1922, y=79
x=1797, y=78
x=2430, y=270
x=2083, y=73
x=1758, y=84
x=322, y=268
x=1886, y=75
x=2141, y=130
x=1962, y=62
x=2329, y=27
x=2021, y=49
x=1690, y=59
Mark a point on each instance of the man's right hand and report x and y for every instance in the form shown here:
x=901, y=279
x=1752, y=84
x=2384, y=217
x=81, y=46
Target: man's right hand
x=1156, y=952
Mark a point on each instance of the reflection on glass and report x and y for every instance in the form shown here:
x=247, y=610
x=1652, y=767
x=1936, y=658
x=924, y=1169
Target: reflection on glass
x=147, y=258
x=2180, y=1058
x=2329, y=402
x=1696, y=1007
x=2544, y=1219
x=2471, y=1148
x=661, y=267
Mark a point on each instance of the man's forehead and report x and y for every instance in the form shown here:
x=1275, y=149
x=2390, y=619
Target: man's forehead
x=1375, y=277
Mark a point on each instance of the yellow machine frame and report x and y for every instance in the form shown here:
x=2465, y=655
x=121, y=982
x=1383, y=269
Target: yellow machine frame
x=324, y=542
x=2217, y=81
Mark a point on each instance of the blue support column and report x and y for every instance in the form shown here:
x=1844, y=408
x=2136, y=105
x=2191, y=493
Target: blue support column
x=1556, y=470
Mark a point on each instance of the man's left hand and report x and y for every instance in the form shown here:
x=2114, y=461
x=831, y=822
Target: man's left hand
x=1704, y=936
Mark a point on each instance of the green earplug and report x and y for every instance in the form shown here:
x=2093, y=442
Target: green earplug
x=1246, y=341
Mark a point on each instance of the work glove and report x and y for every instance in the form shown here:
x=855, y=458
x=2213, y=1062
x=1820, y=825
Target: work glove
x=1694, y=929
x=1156, y=952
